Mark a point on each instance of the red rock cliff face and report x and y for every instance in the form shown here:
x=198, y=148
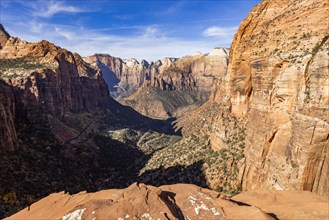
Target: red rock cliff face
x=190, y=73
x=47, y=81
x=123, y=77
x=278, y=83
x=8, y=136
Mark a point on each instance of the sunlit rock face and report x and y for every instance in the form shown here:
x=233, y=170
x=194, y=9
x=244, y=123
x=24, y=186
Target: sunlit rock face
x=278, y=84
x=171, y=85
x=40, y=81
x=190, y=73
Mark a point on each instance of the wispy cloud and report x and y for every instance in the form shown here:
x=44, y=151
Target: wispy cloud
x=142, y=40
x=125, y=17
x=147, y=42
x=48, y=9
x=173, y=8
x=216, y=31
x=212, y=20
x=152, y=32
x=35, y=27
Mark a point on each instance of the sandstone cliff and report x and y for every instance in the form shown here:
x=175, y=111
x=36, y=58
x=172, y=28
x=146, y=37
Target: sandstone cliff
x=179, y=86
x=48, y=83
x=3, y=36
x=189, y=73
x=180, y=201
x=277, y=83
x=123, y=77
x=8, y=136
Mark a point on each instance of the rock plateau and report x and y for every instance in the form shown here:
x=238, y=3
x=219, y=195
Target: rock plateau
x=180, y=201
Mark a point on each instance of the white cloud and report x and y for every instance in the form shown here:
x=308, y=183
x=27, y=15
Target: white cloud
x=148, y=42
x=35, y=27
x=216, y=31
x=173, y=8
x=152, y=32
x=48, y=9
x=69, y=35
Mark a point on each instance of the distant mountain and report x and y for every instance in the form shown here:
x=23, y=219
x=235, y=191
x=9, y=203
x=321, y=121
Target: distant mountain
x=170, y=84
x=180, y=86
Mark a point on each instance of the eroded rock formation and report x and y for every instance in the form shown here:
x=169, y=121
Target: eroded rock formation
x=190, y=73
x=43, y=82
x=277, y=82
x=179, y=86
x=180, y=201
x=8, y=136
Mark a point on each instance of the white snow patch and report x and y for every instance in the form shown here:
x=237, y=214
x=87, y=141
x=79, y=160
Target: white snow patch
x=76, y=215
x=127, y=216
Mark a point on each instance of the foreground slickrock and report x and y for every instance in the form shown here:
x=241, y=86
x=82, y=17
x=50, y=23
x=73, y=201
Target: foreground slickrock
x=180, y=201
x=287, y=204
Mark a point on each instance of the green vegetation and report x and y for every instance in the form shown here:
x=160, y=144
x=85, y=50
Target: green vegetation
x=219, y=167
x=316, y=49
x=28, y=63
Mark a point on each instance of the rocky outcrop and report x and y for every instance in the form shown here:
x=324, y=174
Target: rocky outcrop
x=286, y=204
x=180, y=201
x=277, y=82
x=4, y=36
x=44, y=81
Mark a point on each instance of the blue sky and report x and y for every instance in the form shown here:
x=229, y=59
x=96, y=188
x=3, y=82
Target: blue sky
x=145, y=29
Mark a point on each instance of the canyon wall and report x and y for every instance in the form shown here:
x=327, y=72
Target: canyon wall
x=179, y=86
x=8, y=136
x=40, y=82
x=123, y=77
x=278, y=84
x=189, y=73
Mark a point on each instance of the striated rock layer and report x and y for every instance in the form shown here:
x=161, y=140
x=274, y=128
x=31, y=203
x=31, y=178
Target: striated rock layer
x=43, y=81
x=8, y=135
x=123, y=77
x=180, y=85
x=180, y=201
x=188, y=80
x=278, y=83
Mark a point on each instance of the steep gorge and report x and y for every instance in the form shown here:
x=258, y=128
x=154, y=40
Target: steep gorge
x=265, y=125
x=56, y=112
